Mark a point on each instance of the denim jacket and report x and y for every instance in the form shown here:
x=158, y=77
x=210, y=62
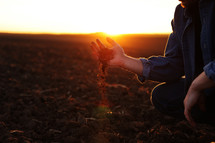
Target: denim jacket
x=179, y=57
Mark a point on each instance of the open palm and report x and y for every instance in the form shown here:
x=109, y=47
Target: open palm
x=118, y=52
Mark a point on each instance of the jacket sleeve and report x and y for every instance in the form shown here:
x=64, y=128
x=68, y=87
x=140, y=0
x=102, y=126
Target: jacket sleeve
x=165, y=68
x=209, y=70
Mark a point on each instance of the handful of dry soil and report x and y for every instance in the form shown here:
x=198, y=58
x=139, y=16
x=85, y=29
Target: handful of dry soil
x=105, y=55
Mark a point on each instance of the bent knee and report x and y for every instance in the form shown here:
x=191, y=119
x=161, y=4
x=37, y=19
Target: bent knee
x=156, y=93
x=168, y=98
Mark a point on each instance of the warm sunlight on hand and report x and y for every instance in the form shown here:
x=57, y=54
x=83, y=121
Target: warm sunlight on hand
x=118, y=52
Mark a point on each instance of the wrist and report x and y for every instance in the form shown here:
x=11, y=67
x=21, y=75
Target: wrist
x=131, y=64
x=123, y=60
x=195, y=86
x=201, y=82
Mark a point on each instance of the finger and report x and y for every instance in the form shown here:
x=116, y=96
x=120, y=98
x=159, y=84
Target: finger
x=94, y=50
x=192, y=123
x=100, y=44
x=111, y=41
x=95, y=55
x=95, y=47
x=189, y=118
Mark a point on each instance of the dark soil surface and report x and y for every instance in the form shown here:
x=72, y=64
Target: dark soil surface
x=49, y=93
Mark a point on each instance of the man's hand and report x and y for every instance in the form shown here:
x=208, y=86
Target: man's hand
x=119, y=57
x=118, y=52
x=190, y=100
x=194, y=95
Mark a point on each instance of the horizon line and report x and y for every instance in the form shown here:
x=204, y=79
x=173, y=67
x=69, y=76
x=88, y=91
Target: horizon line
x=81, y=33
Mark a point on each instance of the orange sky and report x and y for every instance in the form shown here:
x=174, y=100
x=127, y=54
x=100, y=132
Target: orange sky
x=87, y=16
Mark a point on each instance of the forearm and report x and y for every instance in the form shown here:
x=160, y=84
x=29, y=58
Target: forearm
x=132, y=64
x=202, y=82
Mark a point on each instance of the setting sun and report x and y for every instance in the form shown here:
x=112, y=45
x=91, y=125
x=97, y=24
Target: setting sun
x=84, y=16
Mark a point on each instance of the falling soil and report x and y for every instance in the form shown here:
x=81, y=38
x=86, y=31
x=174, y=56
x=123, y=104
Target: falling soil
x=105, y=55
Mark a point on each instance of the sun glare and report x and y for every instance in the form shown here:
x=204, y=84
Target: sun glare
x=114, y=32
x=84, y=16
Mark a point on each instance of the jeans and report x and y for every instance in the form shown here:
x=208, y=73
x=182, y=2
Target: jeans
x=168, y=99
